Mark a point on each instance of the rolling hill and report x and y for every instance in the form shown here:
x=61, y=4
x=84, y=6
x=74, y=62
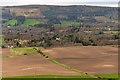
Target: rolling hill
x=45, y=13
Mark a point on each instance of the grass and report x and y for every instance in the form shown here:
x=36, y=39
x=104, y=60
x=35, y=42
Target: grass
x=27, y=22
x=1, y=41
x=31, y=22
x=108, y=75
x=10, y=23
x=23, y=50
x=49, y=76
x=114, y=32
x=70, y=22
x=115, y=76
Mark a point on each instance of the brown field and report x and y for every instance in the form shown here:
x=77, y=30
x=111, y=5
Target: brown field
x=91, y=59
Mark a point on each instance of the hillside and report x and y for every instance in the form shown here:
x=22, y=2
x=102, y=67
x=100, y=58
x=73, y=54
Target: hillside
x=46, y=13
x=54, y=26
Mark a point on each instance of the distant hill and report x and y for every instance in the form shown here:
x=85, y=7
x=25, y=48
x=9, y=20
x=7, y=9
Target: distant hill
x=45, y=13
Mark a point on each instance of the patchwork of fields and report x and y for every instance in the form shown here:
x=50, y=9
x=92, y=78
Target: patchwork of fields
x=32, y=22
x=93, y=60
x=35, y=39
x=27, y=22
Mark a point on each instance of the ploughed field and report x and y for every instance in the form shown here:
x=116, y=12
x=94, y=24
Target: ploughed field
x=90, y=59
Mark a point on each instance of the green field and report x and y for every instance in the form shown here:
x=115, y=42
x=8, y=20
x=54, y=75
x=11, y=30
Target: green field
x=31, y=22
x=70, y=22
x=113, y=76
x=1, y=41
x=11, y=23
x=49, y=76
x=27, y=22
x=108, y=75
x=23, y=50
x=114, y=32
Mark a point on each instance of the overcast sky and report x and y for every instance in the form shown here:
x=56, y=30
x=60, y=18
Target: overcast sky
x=112, y=3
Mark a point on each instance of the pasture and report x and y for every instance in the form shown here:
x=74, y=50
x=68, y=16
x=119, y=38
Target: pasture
x=23, y=50
x=11, y=23
x=30, y=22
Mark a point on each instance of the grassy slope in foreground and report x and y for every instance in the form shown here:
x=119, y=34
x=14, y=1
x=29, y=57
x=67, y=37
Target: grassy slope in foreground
x=109, y=75
x=49, y=76
x=59, y=76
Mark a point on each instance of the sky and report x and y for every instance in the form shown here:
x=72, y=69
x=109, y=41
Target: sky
x=110, y=3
